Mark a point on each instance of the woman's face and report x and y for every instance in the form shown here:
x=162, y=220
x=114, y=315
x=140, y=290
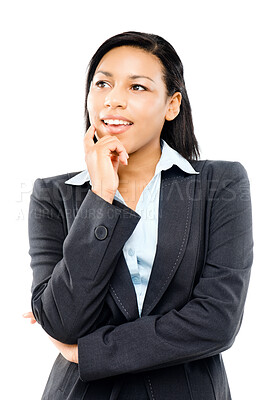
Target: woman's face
x=128, y=98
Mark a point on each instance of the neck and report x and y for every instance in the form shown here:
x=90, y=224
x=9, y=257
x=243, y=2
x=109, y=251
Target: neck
x=141, y=164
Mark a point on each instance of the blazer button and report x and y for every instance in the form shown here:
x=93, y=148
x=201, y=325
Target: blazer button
x=101, y=232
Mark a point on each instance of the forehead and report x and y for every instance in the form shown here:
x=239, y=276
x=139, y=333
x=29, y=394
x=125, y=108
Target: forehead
x=127, y=60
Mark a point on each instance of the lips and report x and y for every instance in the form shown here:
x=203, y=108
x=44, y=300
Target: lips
x=115, y=120
x=116, y=124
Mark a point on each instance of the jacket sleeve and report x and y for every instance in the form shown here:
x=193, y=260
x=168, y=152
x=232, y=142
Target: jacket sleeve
x=71, y=273
x=209, y=322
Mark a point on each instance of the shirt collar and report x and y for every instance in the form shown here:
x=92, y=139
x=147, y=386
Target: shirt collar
x=169, y=157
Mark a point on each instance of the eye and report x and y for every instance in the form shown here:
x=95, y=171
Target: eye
x=101, y=84
x=138, y=88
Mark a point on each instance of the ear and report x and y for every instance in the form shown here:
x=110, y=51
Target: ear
x=173, y=106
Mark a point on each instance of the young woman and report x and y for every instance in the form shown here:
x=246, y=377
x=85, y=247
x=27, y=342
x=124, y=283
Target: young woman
x=141, y=263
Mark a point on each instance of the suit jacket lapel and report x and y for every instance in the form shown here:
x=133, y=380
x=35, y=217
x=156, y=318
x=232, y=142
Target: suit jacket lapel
x=122, y=290
x=175, y=210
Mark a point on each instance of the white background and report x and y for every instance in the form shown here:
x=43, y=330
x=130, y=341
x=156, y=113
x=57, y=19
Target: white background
x=45, y=49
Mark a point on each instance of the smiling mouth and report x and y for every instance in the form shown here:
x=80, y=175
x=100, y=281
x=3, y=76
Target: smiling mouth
x=116, y=122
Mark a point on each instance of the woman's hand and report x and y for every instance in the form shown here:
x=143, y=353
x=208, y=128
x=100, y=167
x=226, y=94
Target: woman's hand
x=69, y=351
x=102, y=159
x=31, y=316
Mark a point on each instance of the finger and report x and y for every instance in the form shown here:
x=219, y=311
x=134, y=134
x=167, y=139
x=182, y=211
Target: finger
x=28, y=315
x=90, y=134
x=119, y=149
x=113, y=139
x=31, y=316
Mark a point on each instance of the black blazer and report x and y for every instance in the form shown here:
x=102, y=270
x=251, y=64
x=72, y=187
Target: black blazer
x=82, y=290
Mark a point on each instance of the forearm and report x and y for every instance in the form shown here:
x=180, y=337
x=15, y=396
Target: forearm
x=208, y=323
x=204, y=327
x=68, y=301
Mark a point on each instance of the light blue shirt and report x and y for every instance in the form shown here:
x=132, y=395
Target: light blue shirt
x=140, y=249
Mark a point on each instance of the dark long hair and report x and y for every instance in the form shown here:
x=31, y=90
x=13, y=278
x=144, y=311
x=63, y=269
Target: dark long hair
x=178, y=133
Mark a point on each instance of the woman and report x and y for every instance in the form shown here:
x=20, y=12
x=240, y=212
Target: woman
x=141, y=263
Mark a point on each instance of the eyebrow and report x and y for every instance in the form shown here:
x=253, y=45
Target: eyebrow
x=130, y=76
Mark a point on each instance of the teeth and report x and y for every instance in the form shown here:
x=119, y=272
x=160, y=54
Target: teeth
x=116, y=122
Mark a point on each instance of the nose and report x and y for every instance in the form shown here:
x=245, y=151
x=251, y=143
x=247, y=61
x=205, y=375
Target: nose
x=115, y=98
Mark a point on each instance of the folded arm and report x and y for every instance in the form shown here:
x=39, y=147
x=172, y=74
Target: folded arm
x=209, y=322
x=71, y=273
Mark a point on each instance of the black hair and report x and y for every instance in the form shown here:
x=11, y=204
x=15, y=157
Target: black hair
x=178, y=133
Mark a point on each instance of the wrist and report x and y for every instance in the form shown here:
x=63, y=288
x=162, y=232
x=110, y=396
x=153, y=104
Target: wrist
x=107, y=196
x=74, y=355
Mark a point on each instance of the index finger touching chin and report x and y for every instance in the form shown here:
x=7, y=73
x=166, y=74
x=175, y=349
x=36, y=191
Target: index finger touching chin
x=89, y=135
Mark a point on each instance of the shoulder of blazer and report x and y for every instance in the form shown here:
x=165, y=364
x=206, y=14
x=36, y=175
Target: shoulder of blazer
x=56, y=182
x=54, y=190
x=58, y=179
x=215, y=169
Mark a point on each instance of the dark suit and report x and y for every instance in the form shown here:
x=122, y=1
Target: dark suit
x=82, y=289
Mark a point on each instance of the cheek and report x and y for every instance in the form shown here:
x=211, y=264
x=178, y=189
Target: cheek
x=151, y=111
x=92, y=107
x=90, y=102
